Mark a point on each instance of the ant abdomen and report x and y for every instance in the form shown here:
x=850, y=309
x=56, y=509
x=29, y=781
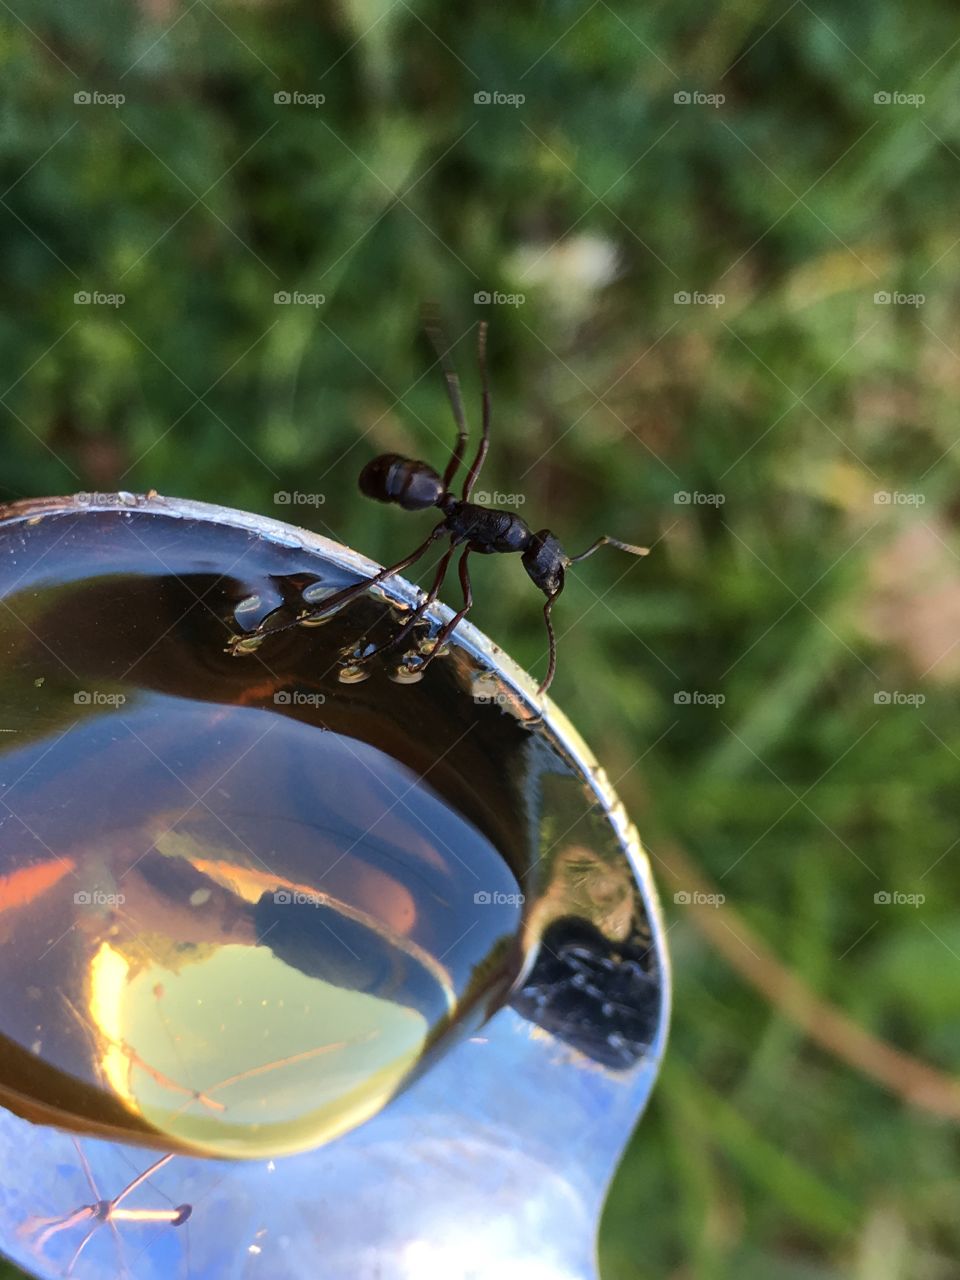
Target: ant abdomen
x=413, y=485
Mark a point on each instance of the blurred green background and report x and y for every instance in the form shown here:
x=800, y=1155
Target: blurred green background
x=786, y=437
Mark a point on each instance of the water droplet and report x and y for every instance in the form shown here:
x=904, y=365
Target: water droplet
x=406, y=675
x=246, y=612
x=426, y=647
x=353, y=674
x=242, y=646
x=308, y=621
x=317, y=592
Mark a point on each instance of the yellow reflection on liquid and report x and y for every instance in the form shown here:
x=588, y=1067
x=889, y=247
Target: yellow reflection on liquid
x=240, y=1054
x=108, y=977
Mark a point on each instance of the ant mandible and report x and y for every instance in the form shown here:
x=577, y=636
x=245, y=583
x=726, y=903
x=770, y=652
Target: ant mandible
x=416, y=486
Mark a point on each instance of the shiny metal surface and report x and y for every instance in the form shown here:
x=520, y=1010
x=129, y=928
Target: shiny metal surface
x=494, y=1163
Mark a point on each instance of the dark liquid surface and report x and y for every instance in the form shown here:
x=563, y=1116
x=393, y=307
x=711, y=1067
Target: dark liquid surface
x=240, y=900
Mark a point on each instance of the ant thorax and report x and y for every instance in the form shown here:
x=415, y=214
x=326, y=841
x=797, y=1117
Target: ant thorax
x=486, y=529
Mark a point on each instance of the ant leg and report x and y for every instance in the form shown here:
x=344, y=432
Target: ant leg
x=51, y=1226
x=348, y=593
x=83, y=1244
x=552, y=665
x=485, y=388
x=358, y=588
x=464, y=573
x=108, y=1211
x=613, y=542
x=438, y=341
x=419, y=611
x=141, y=1178
x=88, y=1172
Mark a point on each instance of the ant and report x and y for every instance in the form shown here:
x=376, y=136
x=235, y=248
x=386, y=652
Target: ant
x=415, y=486
x=107, y=1211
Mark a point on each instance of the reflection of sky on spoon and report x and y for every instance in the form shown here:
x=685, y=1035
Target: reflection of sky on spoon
x=503, y=1150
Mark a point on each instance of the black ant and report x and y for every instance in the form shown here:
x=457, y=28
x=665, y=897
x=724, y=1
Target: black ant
x=416, y=486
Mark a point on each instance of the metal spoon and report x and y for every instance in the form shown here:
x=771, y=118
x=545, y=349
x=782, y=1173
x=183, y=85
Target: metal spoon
x=495, y=1161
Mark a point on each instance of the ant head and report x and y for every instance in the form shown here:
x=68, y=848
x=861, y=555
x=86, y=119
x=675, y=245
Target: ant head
x=545, y=560
x=415, y=486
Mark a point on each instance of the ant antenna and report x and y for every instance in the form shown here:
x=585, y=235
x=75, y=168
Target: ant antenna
x=485, y=386
x=439, y=343
x=552, y=665
x=613, y=542
x=604, y=540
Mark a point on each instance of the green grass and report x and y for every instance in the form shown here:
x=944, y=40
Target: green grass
x=797, y=399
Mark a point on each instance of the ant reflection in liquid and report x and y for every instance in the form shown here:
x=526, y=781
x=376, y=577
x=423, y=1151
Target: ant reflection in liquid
x=101, y=1212
x=106, y=1213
